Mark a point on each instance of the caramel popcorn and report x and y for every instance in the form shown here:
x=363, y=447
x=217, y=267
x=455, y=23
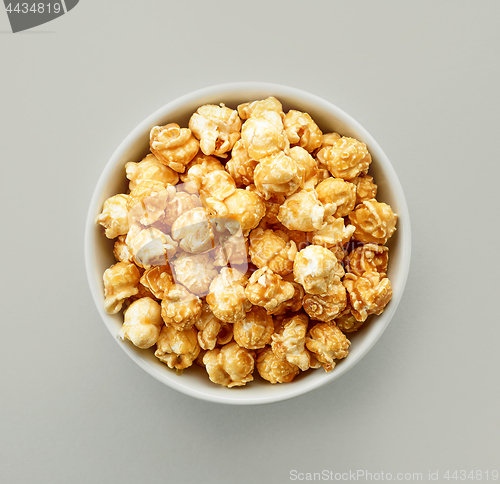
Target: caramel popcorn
x=306, y=165
x=291, y=305
x=303, y=211
x=208, y=327
x=150, y=169
x=333, y=234
x=142, y=323
x=274, y=369
x=289, y=344
x=227, y=299
x=121, y=250
x=195, y=272
x=327, y=343
x=217, y=128
x=256, y=108
x=339, y=192
x=157, y=279
x=264, y=135
x=345, y=158
x=317, y=269
x=230, y=365
x=272, y=249
x=268, y=290
x=150, y=246
x=369, y=258
x=193, y=231
x=232, y=250
x=225, y=334
x=114, y=216
x=217, y=184
x=365, y=188
x=178, y=205
x=147, y=202
x=179, y=308
x=120, y=282
x=255, y=330
x=347, y=323
x=302, y=130
x=241, y=167
x=375, y=222
x=328, y=306
x=174, y=146
x=368, y=294
x=196, y=171
x=272, y=208
x=177, y=349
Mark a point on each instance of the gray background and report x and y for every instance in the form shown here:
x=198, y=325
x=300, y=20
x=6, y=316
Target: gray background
x=422, y=77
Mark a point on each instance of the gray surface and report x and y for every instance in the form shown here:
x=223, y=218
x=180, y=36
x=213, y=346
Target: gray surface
x=422, y=77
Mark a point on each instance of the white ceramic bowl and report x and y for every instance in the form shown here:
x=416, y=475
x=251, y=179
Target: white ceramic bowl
x=99, y=256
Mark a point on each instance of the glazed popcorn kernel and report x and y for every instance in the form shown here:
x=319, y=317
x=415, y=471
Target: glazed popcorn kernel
x=180, y=308
x=327, y=343
x=345, y=158
x=241, y=167
x=193, y=231
x=303, y=211
x=306, y=166
x=317, y=269
x=150, y=169
x=268, y=290
x=274, y=369
x=157, y=279
x=264, y=135
x=289, y=343
x=195, y=272
x=174, y=146
x=227, y=299
x=368, y=294
x=232, y=250
x=114, y=216
x=302, y=130
x=255, y=330
x=178, y=205
x=147, y=202
x=196, y=171
x=217, y=128
x=177, y=349
x=142, y=323
x=256, y=108
x=230, y=365
x=272, y=249
x=120, y=282
x=121, y=250
x=291, y=305
x=375, y=222
x=217, y=184
x=150, y=246
x=208, y=327
x=369, y=258
x=365, y=188
x=347, y=323
x=277, y=174
x=339, y=192
x=326, y=307
x=333, y=234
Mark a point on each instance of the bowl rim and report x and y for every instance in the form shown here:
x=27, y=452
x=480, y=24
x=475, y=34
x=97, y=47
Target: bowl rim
x=404, y=244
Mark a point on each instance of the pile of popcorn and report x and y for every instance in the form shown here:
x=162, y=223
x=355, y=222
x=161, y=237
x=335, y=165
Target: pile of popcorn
x=249, y=240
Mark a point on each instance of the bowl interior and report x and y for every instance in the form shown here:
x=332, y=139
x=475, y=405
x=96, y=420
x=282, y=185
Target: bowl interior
x=99, y=255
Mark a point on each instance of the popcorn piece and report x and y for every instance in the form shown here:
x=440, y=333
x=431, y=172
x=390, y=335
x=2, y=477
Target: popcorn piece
x=217, y=128
x=218, y=185
x=375, y=222
x=157, y=279
x=302, y=130
x=194, y=231
x=241, y=167
x=255, y=330
x=180, y=308
x=230, y=366
x=327, y=343
x=121, y=250
x=178, y=205
x=232, y=250
x=227, y=299
x=365, y=188
x=300, y=238
x=277, y=174
x=114, y=216
x=177, y=349
x=303, y=211
x=120, y=282
x=334, y=234
x=273, y=205
x=196, y=171
x=268, y=290
x=317, y=269
x=147, y=202
x=208, y=327
x=291, y=305
x=306, y=165
x=369, y=258
x=274, y=369
x=263, y=135
x=256, y=108
x=345, y=158
x=339, y=192
x=142, y=291
x=225, y=334
x=347, y=323
x=368, y=294
x=150, y=169
x=195, y=272
x=174, y=146
x=272, y=249
x=289, y=344
x=150, y=246
x=142, y=323
x=326, y=307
